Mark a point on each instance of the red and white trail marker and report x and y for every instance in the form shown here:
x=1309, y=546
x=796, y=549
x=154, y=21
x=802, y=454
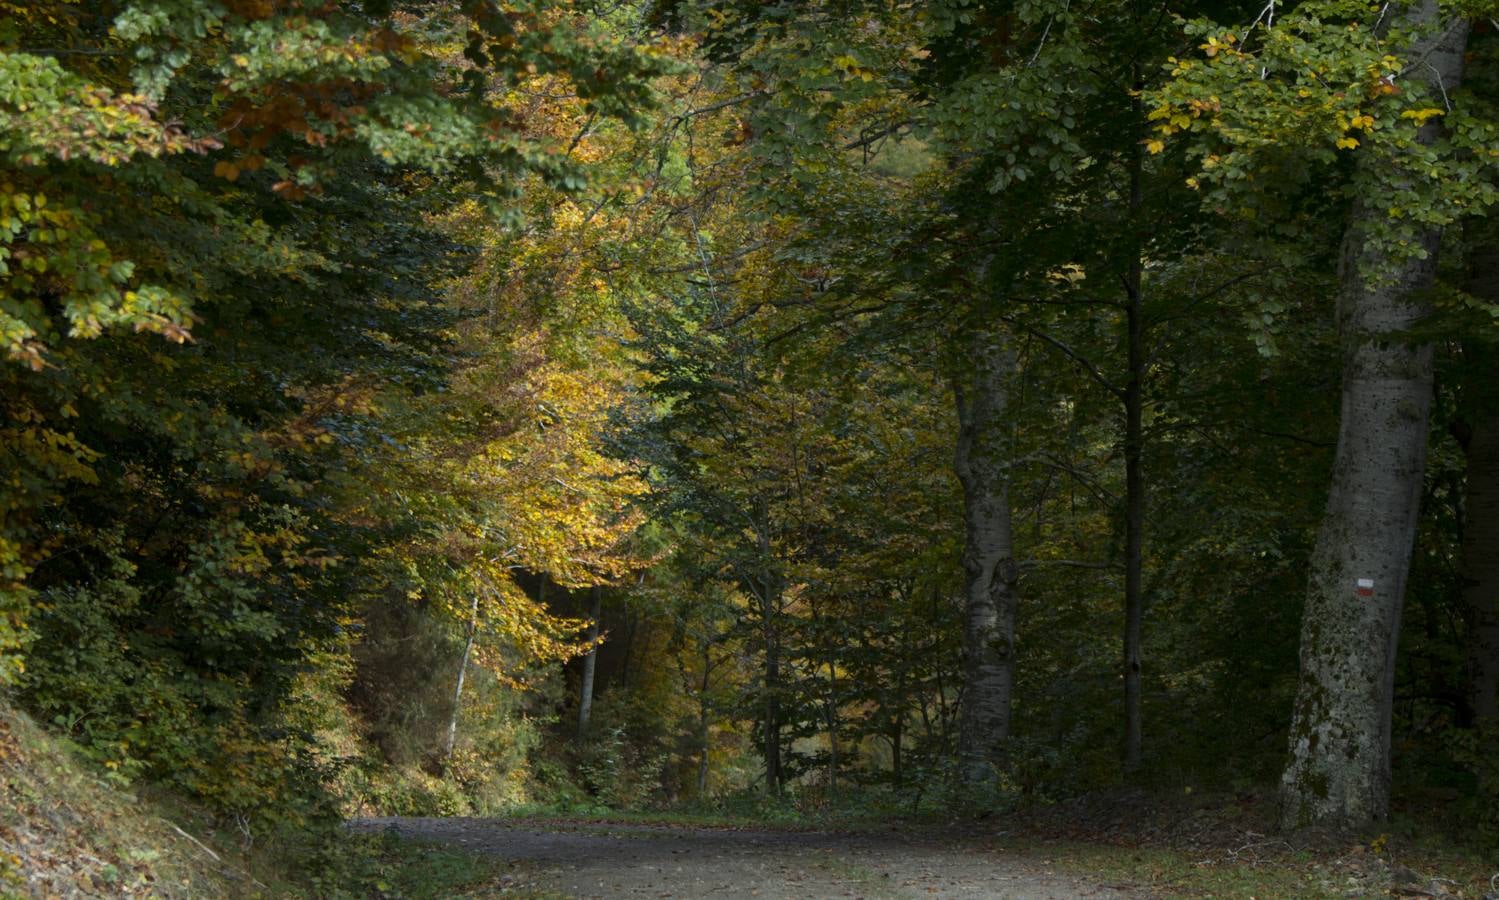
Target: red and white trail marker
x=1366, y=587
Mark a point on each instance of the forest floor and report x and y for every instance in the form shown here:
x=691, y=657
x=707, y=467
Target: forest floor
x=616, y=859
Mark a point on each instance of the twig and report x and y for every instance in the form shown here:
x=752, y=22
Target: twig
x=1269, y=11
x=1440, y=85
x=1093, y=371
x=1073, y=563
x=1041, y=43
x=220, y=860
x=206, y=849
x=876, y=135
x=722, y=104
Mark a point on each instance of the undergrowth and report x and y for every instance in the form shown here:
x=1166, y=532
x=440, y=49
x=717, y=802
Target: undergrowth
x=70, y=828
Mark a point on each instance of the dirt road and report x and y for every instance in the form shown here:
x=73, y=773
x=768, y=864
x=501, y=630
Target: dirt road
x=619, y=860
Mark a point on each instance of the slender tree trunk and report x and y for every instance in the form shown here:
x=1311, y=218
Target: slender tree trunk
x=772, y=712
x=944, y=713
x=590, y=663
x=1480, y=568
x=989, y=567
x=625, y=667
x=1480, y=551
x=769, y=593
x=702, y=724
x=1339, y=771
x=1133, y=510
x=1134, y=479
x=468, y=648
x=898, y=728
x=832, y=715
x=897, y=738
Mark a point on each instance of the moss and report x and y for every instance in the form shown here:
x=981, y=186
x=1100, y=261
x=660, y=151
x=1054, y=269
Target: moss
x=1318, y=785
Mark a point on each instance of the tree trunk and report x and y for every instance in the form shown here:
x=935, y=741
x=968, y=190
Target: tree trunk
x=897, y=774
x=1339, y=771
x=768, y=594
x=625, y=667
x=989, y=567
x=772, y=713
x=832, y=714
x=1134, y=479
x=944, y=713
x=898, y=729
x=1480, y=550
x=1480, y=568
x=590, y=663
x=468, y=648
x=702, y=724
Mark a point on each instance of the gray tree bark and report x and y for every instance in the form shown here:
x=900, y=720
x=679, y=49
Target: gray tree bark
x=468, y=648
x=1339, y=771
x=989, y=568
x=590, y=663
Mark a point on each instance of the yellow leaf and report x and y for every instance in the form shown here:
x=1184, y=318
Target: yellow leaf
x=1421, y=115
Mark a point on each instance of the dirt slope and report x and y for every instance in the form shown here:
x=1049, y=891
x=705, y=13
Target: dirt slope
x=66, y=833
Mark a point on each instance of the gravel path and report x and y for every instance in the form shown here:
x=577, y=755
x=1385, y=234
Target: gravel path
x=620, y=860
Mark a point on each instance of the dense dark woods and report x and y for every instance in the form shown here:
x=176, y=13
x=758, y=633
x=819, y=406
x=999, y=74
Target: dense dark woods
x=461, y=406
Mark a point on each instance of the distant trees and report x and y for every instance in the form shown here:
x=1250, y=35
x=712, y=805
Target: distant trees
x=1082, y=171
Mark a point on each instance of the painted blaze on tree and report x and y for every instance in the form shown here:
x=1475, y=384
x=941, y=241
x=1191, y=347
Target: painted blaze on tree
x=1339, y=773
x=1384, y=88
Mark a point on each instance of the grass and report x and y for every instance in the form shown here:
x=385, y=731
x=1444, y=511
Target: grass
x=1355, y=871
x=851, y=810
x=416, y=871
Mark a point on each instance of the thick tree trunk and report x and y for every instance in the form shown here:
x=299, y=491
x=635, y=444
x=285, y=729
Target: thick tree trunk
x=989, y=567
x=590, y=663
x=1339, y=771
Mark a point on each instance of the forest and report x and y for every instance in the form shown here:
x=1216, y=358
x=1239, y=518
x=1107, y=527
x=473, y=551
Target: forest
x=766, y=408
